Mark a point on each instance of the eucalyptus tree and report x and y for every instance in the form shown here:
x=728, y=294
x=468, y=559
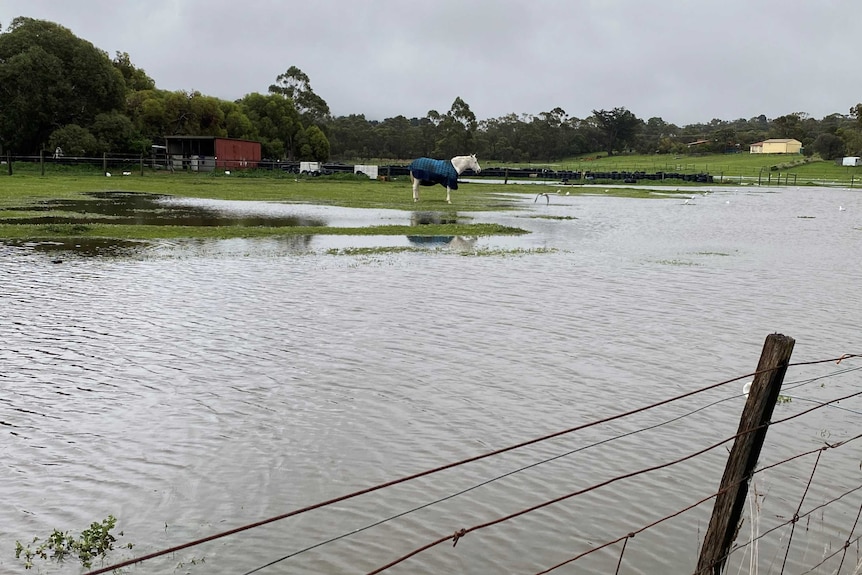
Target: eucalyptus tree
x=314, y=145
x=352, y=137
x=50, y=78
x=136, y=79
x=276, y=123
x=455, y=130
x=296, y=85
x=618, y=128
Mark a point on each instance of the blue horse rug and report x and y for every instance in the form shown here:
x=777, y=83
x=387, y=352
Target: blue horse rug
x=430, y=172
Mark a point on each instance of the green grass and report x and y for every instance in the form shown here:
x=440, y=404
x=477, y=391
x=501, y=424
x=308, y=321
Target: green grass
x=727, y=167
x=22, y=191
x=27, y=187
x=48, y=231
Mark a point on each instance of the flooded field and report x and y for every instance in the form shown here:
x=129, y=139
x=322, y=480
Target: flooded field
x=192, y=387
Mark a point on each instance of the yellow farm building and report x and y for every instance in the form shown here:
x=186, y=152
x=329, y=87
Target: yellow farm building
x=777, y=146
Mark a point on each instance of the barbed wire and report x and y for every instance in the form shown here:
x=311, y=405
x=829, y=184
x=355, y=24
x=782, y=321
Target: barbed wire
x=818, y=450
x=496, y=478
x=464, y=531
x=494, y=453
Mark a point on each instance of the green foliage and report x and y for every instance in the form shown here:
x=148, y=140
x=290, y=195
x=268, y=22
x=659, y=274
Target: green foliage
x=295, y=86
x=135, y=78
x=276, y=121
x=50, y=78
x=618, y=128
x=115, y=132
x=315, y=145
x=92, y=543
x=828, y=146
x=74, y=141
x=455, y=130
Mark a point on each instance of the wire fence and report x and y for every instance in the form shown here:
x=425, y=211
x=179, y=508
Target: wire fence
x=801, y=514
x=575, y=174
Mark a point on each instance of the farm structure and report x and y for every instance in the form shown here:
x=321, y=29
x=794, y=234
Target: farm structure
x=206, y=153
x=776, y=146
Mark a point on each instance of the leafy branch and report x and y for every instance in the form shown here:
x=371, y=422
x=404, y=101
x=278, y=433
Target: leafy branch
x=90, y=544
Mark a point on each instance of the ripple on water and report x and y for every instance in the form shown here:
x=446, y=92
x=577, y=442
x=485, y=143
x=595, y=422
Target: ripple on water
x=189, y=395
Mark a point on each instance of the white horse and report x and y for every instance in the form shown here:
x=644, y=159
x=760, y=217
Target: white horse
x=429, y=172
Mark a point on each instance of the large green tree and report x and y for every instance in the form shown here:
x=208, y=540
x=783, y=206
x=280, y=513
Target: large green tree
x=50, y=78
x=276, y=122
x=455, y=130
x=618, y=128
x=295, y=85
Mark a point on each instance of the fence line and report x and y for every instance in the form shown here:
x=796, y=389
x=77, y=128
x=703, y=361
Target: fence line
x=759, y=176
x=464, y=531
x=460, y=533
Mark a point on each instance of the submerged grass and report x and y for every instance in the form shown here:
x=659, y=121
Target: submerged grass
x=122, y=231
x=23, y=193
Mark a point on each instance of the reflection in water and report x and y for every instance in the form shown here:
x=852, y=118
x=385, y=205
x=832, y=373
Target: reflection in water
x=84, y=246
x=188, y=396
x=437, y=218
x=425, y=218
x=151, y=210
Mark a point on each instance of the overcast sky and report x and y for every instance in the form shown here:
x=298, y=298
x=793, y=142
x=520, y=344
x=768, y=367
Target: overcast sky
x=686, y=61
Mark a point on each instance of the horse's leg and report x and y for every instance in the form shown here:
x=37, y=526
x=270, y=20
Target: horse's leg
x=415, y=188
x=448, y=199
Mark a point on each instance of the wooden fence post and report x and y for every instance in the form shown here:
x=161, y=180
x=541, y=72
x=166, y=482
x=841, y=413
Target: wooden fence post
x=726, y=514
x=9, y=162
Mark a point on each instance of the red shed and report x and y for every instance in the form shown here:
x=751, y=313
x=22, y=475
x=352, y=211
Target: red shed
x=206, y=153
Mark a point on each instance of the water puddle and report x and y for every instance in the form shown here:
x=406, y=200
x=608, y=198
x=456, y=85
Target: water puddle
x=136, y=208
x=151, y=210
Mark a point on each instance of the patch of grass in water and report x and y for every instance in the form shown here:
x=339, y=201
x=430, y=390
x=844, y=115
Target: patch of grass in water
x=509, y=252
x=712, y=254
x=553, y=217
x=372, y=251
x=67, y=229
x=676, y=263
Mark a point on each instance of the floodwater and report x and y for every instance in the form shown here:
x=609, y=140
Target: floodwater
x=190, y=388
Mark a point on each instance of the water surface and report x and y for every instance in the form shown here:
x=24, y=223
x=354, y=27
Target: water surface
x=192, y=387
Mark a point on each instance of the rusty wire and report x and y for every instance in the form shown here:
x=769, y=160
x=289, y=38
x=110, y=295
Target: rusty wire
x=795, y=518
x=714, y=495
x=480, y=457
x=464, y=531
x=849, y=537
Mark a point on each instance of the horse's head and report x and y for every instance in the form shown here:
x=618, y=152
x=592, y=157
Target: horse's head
x=474, y=164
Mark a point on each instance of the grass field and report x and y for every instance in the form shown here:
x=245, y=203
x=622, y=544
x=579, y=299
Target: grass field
x=728, y=168
x=21, y=192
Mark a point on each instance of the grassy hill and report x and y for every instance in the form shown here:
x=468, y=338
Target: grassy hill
x=794, y=169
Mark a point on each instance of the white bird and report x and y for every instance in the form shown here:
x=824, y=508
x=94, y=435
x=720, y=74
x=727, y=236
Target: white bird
x=567, y=193
x=547, y=198
x=840, y=208
x=227, y=172
x=559, y=191
x=108, y=174
x=127, y=173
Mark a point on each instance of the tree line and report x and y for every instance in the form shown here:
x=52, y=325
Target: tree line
x=60, y=91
